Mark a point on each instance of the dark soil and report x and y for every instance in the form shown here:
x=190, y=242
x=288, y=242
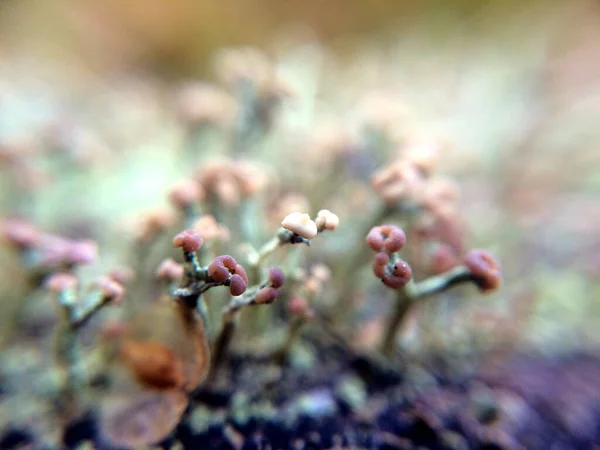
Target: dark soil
x=518, y=402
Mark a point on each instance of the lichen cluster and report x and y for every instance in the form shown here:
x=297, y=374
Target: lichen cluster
x=288, y=276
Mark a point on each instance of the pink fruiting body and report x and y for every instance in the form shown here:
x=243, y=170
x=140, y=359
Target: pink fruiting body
x=237, y=285
x=122, y=275
x=298, y=305
x=153, y=223
x=220, y=269
x=393, y=276
x=111, y=289
x=381, y=258
x=81, y=252
x=186, y=193
x=266, y=295
x=379, y=269
x=390, y=238
x=60, y=282
x=400, y=180
x=443, y=259
x=400, y=275
x=19, y=233
x=484, y=268
x=225, y=268
x=169, y=270
x=276, y=277
x=210, y=229
x=188, y=240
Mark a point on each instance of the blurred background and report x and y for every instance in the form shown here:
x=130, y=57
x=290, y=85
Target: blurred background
x=512, y=88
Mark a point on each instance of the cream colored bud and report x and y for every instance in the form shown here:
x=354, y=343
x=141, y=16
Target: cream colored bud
x=300, y=224
x=326, y=220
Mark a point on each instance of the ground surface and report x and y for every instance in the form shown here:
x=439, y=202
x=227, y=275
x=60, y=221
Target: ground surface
x=348, y=401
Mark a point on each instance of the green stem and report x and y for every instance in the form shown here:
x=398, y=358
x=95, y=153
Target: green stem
x=439, y=283
x=248, y=220
x=351, y=265
x=412, y=292
x=294, y=330
x=258, y=258
x=68, y=351
x=401, y=308
x=80, y=316
x=225, y=337
x=222, y=345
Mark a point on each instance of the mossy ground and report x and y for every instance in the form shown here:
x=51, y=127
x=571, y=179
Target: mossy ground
x=346, y=400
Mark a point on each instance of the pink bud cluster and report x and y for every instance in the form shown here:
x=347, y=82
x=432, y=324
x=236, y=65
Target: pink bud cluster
x=300, y=307
x=268, y=294
x=442, y=232
x=19, y=233
x=50, y=250
x=387, y=240
x=110, y=289
x=198, y=103
x=169, y=270
x=393, y=274
x=410, y=176
x=400, y=180
x=225, y=269
x=186, y=193
x=210, y=229
x=484, y=268
x=409, y=181
x=61, y=282
x=188, y=240
x=152, y=223
x=230, y=181
x=316, y=278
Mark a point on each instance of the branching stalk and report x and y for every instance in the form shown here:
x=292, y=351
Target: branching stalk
x=407, y=295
